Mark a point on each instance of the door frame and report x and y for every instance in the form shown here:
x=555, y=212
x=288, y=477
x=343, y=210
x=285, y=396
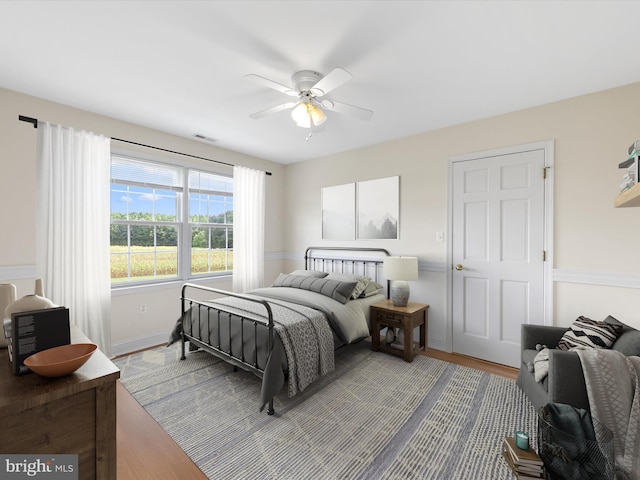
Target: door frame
x=548, y=147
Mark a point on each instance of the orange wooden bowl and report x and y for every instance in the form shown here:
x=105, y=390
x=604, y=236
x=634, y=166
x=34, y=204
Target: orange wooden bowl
x=60, y=361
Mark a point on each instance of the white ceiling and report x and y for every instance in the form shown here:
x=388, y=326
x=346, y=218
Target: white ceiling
x=419, y=65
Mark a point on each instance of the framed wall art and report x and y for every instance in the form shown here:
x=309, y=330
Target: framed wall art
x=339, y=212
x=378, y=206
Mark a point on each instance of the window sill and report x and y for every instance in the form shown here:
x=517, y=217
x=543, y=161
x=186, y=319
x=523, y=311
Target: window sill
x=150, y=287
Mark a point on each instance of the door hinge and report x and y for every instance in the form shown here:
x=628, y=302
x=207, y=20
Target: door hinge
x=544, y=255
x=544, y=173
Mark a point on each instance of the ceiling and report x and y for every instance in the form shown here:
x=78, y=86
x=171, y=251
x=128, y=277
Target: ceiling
x=179, y=66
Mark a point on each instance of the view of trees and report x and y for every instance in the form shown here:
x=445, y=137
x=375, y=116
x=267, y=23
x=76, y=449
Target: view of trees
x=218, y=237
x=167, y=235
x=211, y=245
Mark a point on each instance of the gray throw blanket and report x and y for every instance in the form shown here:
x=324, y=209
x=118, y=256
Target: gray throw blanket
x=613, y=386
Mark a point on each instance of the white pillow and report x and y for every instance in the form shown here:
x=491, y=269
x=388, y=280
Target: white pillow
x=373, y=288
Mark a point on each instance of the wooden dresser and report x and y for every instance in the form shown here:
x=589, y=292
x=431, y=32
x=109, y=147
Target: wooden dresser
x=69, y=415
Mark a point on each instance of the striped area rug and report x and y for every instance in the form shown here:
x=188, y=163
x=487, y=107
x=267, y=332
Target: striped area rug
x=375, y=417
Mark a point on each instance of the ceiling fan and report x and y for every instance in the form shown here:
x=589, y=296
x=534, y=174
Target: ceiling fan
x=311, y=88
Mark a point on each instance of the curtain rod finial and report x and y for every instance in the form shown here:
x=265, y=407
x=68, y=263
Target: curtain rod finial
x=33, y=121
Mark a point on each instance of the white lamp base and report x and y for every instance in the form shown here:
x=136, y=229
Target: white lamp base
x=399, y=293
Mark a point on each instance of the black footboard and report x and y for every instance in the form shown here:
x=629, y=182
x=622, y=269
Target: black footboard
x=215, y=333
x=247, y=340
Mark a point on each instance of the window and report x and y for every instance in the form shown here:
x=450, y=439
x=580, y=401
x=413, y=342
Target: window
x=211, y=222
x=156, y=235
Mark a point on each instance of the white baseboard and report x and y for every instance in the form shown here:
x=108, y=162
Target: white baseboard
x=141, y=343
x=437, y=344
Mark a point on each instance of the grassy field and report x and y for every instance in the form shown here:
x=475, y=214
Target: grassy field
x=165, y=261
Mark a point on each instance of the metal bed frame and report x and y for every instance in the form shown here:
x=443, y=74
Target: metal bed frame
x=368, y=266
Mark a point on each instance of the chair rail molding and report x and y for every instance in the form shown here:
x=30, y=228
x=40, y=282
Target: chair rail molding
x=607, y=279
x=17, y=272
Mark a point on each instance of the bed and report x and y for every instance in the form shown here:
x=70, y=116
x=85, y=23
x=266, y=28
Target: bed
x=287, y=332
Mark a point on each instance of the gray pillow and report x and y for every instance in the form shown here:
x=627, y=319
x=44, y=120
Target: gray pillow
x=310, y=273
x=361, y=281
x=339, y=291
x=628, y=341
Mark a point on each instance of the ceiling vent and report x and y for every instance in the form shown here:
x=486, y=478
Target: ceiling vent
x=204, y=138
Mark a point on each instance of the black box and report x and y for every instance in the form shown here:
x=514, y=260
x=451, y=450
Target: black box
x=37, y=330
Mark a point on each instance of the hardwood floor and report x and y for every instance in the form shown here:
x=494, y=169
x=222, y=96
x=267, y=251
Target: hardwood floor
x=471, y=362
x=146, y=451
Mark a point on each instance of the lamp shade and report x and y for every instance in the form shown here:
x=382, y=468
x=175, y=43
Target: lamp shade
x=400, y=268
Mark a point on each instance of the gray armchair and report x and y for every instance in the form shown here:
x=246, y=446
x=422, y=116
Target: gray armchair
x=565, y=381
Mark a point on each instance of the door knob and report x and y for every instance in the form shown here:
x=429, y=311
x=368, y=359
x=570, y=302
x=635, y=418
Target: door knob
x=459, y=267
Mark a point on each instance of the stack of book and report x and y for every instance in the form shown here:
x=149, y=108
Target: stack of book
x=631, y=167
x=525, y=464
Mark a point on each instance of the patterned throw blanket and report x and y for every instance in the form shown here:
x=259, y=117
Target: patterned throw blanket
x=613, y=387
x=305, y=334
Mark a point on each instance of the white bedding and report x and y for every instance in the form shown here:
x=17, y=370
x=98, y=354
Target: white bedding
x=350, y=321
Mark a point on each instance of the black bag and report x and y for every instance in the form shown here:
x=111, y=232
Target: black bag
x=568, y=446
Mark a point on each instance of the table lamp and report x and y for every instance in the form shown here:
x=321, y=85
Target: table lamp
x=400, y=270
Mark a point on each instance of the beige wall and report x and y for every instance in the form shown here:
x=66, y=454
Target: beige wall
x=595, y=245
x=130, y=327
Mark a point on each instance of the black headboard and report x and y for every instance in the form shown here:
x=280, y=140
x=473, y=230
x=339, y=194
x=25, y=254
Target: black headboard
x=359, y=261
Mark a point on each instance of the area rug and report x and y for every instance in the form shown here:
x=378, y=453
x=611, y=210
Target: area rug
x=376, y=416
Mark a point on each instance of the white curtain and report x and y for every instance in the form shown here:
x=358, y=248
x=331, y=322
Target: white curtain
x=72, y=226
x=248, y=228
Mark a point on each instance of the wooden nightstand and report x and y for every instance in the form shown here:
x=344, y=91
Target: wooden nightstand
x=385, y=314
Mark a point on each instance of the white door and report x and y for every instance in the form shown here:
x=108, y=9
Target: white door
x=498, y=228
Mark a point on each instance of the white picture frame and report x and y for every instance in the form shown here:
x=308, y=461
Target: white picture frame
x=339, y=212
x=378, y=206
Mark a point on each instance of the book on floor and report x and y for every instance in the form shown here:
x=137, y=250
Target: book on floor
x=523, y=472
x=525, y=464
x=519, y=456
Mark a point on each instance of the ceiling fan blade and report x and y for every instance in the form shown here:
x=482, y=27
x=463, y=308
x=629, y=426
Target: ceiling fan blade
x=271, y=84
x=351, y=110
x=332, y=80
x=276, y=109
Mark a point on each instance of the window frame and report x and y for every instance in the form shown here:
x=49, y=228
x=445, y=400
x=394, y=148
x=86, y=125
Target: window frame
x=182, y=223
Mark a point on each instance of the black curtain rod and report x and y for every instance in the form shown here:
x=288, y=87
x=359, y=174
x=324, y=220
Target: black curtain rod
x=34, y=122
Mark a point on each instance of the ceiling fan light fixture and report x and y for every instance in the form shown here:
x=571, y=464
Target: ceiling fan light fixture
x=317, y=116
x=307, y=114
x=310, y=88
